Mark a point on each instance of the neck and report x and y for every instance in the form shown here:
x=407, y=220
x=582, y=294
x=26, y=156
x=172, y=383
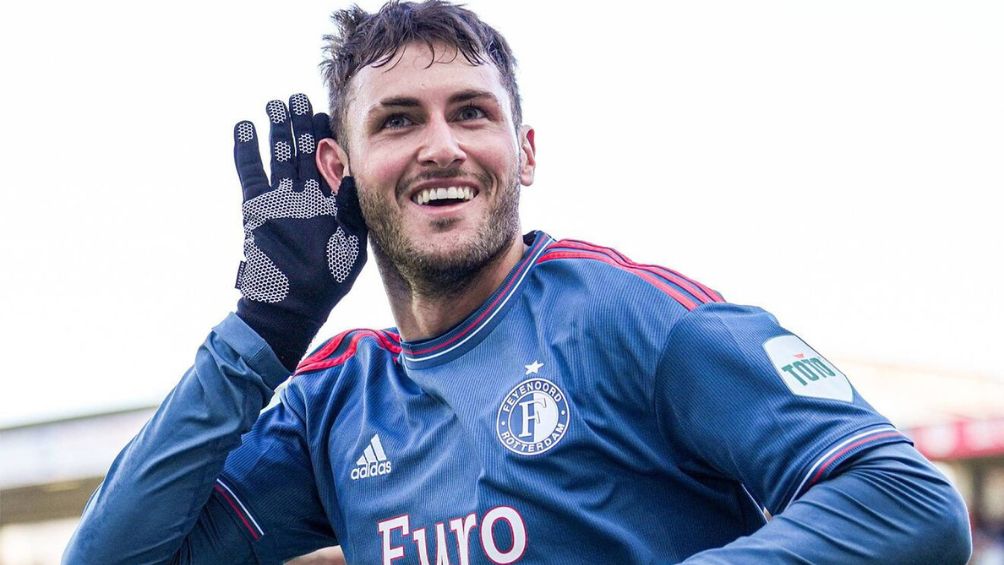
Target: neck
x=422, y=315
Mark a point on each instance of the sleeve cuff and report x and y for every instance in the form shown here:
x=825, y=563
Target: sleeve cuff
x=252, y=349
x=824, y=465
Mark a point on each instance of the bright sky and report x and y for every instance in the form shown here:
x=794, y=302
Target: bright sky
x=838, y=163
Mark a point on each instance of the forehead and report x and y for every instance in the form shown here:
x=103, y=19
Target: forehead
x=428, y=75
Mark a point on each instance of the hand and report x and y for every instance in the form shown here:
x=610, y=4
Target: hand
x=304, y=246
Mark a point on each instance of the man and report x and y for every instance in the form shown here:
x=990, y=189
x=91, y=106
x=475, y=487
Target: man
x=540, y=401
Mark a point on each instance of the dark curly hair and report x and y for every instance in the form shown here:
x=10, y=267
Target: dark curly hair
x=363, y=39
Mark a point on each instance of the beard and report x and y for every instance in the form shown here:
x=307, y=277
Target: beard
x=426, y=272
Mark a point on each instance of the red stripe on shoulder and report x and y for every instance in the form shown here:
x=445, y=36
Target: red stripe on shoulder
x=692, y=293
x=651, y=279
x=701, y=292
x=328, y=348
x=323, y=359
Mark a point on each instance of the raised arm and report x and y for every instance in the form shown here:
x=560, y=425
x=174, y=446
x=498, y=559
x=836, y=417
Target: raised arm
x=160, y=484
x=164, y=498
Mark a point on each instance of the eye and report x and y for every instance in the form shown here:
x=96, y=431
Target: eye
x=397, y=121
x=470, y=113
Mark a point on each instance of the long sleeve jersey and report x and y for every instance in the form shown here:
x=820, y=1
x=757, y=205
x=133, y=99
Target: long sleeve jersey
x=592, y=410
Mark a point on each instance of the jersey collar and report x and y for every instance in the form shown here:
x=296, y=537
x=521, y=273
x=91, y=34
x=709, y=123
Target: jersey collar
x=468, y=333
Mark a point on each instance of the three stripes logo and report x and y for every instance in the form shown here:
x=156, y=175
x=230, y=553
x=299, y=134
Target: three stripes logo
x=373, y=462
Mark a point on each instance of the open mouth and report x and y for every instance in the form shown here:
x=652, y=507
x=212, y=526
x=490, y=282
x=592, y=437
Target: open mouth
x=444, y=196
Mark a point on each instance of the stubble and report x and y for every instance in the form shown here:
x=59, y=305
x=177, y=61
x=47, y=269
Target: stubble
x=431, y=274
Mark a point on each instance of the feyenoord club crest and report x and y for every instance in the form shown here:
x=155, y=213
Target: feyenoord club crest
x=533, y=417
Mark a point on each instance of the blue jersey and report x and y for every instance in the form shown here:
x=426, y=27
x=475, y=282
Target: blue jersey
x=593, y=410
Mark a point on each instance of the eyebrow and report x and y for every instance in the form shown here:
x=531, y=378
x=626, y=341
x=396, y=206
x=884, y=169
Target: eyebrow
x=409, y=102
x=466, y=95
x=397, y=101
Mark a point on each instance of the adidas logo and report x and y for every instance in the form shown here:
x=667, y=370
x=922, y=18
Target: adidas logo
x=373, y=462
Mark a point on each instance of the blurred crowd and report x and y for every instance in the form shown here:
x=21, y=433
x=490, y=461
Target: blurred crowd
x=988, y=543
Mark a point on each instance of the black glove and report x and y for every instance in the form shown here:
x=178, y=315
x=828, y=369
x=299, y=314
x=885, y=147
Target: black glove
x=303, y=246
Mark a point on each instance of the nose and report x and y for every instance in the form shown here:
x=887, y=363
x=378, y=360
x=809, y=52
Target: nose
x=440, y=148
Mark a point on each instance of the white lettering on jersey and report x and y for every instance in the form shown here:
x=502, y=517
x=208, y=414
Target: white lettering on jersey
x=461, y=528
x=517, y=528
x=385, y=527
x=423, y=548
x=373, y=462
x=442, y=553
x=805, y=372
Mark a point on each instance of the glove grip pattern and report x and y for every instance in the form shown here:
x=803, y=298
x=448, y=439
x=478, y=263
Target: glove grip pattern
x=342, y=254
x=304, y=246
x=262, y=280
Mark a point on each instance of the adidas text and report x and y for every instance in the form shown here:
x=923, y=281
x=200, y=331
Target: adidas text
x=371, y=470
x=373, y=462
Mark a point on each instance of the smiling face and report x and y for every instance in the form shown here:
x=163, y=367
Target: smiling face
x=438, y=162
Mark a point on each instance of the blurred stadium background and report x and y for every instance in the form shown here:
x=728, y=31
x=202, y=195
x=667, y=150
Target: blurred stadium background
x=50, y=468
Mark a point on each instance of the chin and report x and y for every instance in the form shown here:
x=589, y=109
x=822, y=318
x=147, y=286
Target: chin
x=451, y=233
x=455, y=249
x=446, y=262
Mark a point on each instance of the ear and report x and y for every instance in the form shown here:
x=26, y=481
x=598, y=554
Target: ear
x=332, y=162
x=528, y=155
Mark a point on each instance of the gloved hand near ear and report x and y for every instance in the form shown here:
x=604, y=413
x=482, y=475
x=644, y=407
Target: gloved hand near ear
x=303, y=245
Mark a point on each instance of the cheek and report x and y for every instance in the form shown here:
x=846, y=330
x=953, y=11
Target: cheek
x=381, y=165
x=496, y=153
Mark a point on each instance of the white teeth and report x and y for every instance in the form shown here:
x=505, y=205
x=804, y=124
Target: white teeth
x=452, y=193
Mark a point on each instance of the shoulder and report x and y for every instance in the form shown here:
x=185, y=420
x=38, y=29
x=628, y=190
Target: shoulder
x=612, y=304
x=732, y=328
x=604, y=272
x=347, y=358
x=348, y=344
x=336, y=373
